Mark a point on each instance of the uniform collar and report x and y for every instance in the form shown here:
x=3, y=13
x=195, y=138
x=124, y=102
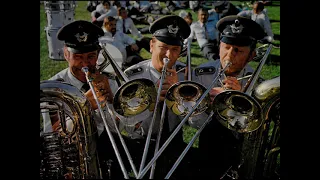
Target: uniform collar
x=155, y=73
x=78, y=84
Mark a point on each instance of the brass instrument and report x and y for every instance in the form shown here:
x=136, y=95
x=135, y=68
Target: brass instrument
x=145, y=151
x=134, y=98
x=268, y=162
x=203, y=96
x=239, y=111
x=89, y=80
x=251, y=112
x=182, y=96
x=68, y=151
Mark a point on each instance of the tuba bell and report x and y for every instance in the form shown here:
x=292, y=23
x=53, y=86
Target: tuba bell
x=68, y=134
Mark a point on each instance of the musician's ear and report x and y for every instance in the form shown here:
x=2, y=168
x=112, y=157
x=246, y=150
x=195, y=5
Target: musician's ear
x=251, y=55
x=66, y=53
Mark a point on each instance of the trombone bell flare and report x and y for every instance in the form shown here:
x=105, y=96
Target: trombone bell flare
x=237, y=111
x=136, y=97
x=182, y=96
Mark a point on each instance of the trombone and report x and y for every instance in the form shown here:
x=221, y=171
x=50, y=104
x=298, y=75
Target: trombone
x=198, y=102
x=134, y=97
x=145, y=152
x=182, y=96
x=236, y=101
x=89, y=80
x=239, y=111
x=138, y=83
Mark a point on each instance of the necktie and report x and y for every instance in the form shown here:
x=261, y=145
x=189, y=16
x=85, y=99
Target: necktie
x=85, y=87
x=123, y=26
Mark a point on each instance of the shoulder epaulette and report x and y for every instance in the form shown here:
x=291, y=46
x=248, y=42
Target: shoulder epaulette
x=205, y=70
x=134, y=71
x=180, y=66
x=109, y=75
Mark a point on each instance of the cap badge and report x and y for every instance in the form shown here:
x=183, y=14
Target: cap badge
x=82, y=38
x=236, y=27
x=173, y=30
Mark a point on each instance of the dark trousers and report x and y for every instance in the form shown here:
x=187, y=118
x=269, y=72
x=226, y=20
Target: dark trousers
x=133, y=57
x=97, y=23
x=135, y=11
x=210, y=50
x=218, y=149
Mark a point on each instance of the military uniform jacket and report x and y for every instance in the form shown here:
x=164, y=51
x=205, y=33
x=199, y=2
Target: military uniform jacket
x=146, y=70
x=67, y=76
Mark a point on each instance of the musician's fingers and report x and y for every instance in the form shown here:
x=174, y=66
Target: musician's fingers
x=172, y=71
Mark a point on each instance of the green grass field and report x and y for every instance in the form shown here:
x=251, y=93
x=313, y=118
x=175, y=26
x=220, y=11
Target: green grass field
x=50, y=67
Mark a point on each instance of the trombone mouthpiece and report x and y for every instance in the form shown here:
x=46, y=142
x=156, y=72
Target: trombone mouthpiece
x=166, y=60
x=85, y=69
x=228, y=63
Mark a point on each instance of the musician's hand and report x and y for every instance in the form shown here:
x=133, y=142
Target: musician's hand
x=102, y=88
x=215, y=91
x=231, y=83
x=171, y=79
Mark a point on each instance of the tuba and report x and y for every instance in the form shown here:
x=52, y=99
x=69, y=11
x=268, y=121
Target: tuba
x=68, y=146
x=268, y=139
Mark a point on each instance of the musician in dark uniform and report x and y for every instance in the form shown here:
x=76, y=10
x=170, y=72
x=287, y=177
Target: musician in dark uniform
x=218, y=145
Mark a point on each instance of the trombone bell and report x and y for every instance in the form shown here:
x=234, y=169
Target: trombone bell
x=237, y=111
x=182, y=96
x=135, y=97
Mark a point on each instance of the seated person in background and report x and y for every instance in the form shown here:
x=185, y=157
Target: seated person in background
x=123, y=42
x=225, y=8
x=187, y=16
x=175, y=5
x=103, y=10
x=126, y=25
x=195, y=5
x=220, y=9
x=207, y=42
x=92, y=5
x=258, y=15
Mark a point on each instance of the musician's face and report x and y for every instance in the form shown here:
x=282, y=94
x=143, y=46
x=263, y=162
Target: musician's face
x=77, y=61
x=239, y=56
x=162, y=50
